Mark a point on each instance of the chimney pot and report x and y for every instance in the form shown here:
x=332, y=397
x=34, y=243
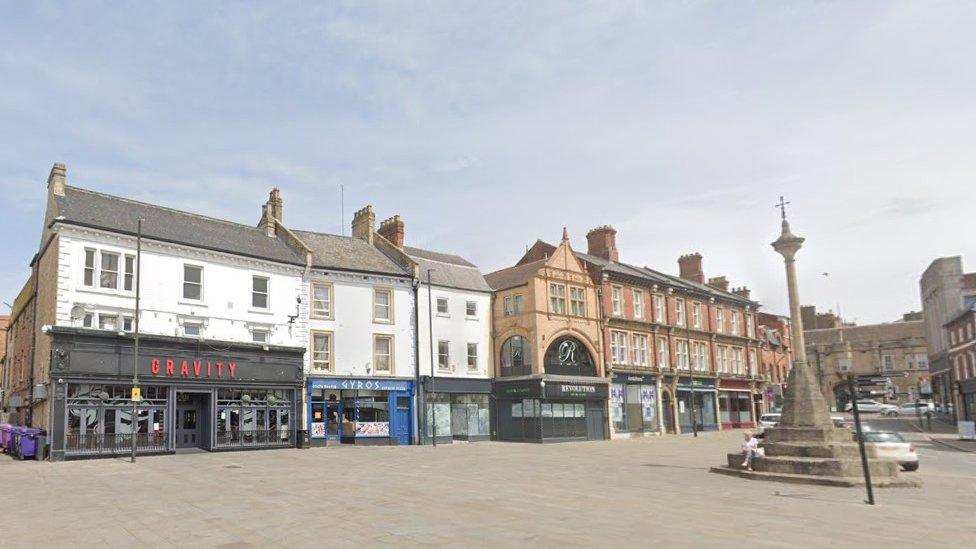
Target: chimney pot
x=742, y=292
x=602, y=242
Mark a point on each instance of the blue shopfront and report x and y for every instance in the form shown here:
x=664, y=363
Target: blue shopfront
x=360, y=411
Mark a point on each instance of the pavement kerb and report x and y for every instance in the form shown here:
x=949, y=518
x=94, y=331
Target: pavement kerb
x=940, y=441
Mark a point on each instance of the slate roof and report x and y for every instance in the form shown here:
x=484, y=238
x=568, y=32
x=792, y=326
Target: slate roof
x=112, y=213
x=513, y=276
x=450, y=271
x=330, y=251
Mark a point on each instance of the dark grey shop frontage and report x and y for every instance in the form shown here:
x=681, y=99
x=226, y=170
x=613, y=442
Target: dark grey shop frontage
x=456, y=409
x=550, y=409
x=205, y=395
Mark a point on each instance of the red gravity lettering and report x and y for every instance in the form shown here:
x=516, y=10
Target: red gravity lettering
x=194, y=368
x=155, y=366
x=169, y=366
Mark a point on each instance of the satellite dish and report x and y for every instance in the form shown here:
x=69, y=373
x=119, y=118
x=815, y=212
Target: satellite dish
x=77, y=312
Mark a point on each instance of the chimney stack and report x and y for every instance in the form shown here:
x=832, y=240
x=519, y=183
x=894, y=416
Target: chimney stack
x=392, y=230
x=276, y=205
x=742, y=292
x=364, y=224
x=719, y=283
x=602, y=242
x=55, y=181
x=690, y=268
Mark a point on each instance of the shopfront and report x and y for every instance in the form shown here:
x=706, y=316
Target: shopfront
x=550, y=409
x=634, y=404
x=363, y=411
x=736, y=406
x=456, y=409
x=704, y=394
x=242, y=396
x=967, y=394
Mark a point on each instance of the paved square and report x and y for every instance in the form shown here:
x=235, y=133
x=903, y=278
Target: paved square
x=625, y=493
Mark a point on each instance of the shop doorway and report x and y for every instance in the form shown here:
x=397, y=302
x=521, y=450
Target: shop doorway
x=667, y=409
x=596, y=422
x=191, y=420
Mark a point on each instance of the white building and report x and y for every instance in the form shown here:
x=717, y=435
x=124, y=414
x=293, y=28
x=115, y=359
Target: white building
x=454, y=303
x=222, y=338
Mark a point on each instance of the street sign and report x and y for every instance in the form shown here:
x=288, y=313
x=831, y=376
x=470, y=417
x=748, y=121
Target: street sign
x=136, y=394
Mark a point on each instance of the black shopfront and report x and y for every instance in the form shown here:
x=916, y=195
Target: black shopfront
x=204, y=395
x=551, y=409
x=567, y=402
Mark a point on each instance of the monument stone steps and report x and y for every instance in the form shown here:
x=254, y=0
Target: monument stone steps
x=835, y=467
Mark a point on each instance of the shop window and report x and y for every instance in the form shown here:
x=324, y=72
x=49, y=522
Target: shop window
x=383, y=354
x=260, y=292
x=321, y=300
x=192, y=282
x=515, y=357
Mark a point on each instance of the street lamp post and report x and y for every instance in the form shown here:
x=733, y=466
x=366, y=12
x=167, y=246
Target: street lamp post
x=430, y=329
x=136, y=396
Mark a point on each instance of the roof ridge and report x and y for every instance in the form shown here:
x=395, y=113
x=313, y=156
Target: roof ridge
x=157, y=206
x=517, y=266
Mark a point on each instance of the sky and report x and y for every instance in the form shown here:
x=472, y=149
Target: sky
x=487, y=125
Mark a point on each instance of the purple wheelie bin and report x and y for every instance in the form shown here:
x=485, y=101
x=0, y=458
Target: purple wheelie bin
x=6, y=437
x=27, y=441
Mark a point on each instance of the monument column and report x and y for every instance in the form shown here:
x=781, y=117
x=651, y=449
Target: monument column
x=804, y=404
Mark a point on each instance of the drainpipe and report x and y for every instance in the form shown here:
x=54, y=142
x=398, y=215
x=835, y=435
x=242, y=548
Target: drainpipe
x=603, y=349
x=30, y=389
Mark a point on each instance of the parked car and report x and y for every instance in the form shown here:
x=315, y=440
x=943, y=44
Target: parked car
x=766, y=421
x=841, y=421
x=869, y=407
x=909, y=409
x=891, y=445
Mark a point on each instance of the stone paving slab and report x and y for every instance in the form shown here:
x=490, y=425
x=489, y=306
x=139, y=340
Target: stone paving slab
x=627, y=493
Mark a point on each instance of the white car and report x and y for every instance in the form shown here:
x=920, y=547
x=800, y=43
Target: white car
x=766, y=421
x=870, y=406
x=908, y=409
x=892, y=446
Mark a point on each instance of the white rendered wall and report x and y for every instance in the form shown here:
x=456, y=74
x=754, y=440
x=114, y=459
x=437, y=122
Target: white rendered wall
x=352, y=326
x=457, y=328
x=224, y=310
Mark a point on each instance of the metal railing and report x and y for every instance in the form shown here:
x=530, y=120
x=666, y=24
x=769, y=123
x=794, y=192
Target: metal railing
x=96, y=444
x=255, y=437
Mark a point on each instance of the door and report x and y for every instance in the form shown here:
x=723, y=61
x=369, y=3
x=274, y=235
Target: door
x=401, y=420
x=189, y=421
x=667, y=408
x=596, y=422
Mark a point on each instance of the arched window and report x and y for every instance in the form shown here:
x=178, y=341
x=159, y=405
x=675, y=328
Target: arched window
x=568, y=356
x=516, y=357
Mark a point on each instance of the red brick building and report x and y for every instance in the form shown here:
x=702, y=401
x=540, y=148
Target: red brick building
x=775, y=356
x=961, y=332
x=667, y=338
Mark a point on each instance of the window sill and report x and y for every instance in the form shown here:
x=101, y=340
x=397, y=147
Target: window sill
x=105, y=291
x=471, y=318
x=443, y=315
x=268, y=312
x=191, y=302
x=321, y=317
x=380, y=321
